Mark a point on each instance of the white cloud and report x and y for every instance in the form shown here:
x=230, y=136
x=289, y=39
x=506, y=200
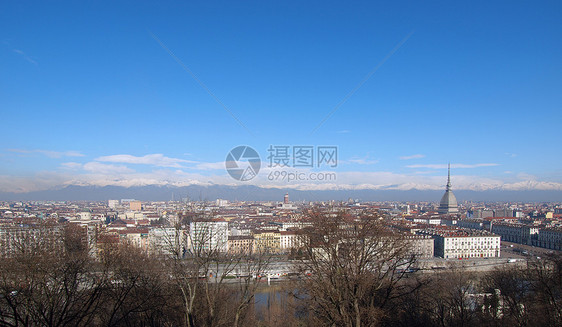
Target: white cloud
x=71, y=165
x=442, y=166
x=362, y=161
x=102, y=174
x=48, y=153
x=156, y=159
x=101, y=168
x=414, y=156
x=157, y=177
x=210, y=166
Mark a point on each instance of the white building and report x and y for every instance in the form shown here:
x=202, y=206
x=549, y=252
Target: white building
x=454, y=243
x=84, y=216
x=425, y=220
x=294, y=225
x=288, y=240
x=167, y=241
x=221, y=203
x=208, y=236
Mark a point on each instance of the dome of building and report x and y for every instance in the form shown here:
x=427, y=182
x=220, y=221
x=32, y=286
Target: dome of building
x=448, y=204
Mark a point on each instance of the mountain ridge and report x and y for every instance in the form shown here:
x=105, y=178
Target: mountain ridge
x=256, y=193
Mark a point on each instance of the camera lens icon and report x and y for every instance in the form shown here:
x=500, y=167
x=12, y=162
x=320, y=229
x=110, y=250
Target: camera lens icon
x=243, y=163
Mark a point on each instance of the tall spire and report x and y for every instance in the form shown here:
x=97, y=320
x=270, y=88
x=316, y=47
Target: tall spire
x=448, y=204
x=449, y=177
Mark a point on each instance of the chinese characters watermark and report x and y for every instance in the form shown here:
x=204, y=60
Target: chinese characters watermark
x=302, y=156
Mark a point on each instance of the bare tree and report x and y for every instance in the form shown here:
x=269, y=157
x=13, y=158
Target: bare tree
x=217, y=287
x=510, y=291
x=353, y=268
x=252, y=266
x=43, y=283
x=451, y=304
x=134, y=292
x=546, y=281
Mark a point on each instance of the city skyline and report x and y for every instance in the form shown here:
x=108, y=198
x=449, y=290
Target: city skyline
x=145, y=94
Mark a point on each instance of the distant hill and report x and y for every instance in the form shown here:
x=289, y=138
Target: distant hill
x=254, y=193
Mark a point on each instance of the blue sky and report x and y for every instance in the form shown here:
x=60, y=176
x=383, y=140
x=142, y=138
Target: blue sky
x=90, y=95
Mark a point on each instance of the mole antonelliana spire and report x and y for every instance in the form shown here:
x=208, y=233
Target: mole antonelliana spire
x=448, y=204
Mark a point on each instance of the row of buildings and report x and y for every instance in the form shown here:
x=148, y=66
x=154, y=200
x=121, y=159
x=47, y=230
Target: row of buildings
x=248, y=227
x=529, y=234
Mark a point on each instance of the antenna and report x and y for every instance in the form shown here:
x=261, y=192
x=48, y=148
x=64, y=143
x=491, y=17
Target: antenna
x=449, y=177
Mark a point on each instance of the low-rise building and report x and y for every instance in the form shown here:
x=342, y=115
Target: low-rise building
x=208, y=236
x=288, y=240
x=550, y=238
x=168, y=241
x=267, y=241
x=135, y=205
x=515, y=232
x=425, y=220
x=470, y=223
x=26, y=239
x=135, y=236
x=455, y=243
x=422, y=246
x=240, y=244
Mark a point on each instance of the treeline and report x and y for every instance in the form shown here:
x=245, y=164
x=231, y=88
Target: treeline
x=352, y=272
x=362, y=276
x=122, y=285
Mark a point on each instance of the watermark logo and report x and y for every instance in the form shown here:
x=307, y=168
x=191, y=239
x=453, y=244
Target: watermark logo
x=286, y=163
x=243, y=163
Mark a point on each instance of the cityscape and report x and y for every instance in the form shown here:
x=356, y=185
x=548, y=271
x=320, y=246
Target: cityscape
x=280, y=164
x=262, y=245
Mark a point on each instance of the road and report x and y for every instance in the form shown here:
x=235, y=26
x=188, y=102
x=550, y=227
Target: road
x=516, y=250
x=512, y=254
